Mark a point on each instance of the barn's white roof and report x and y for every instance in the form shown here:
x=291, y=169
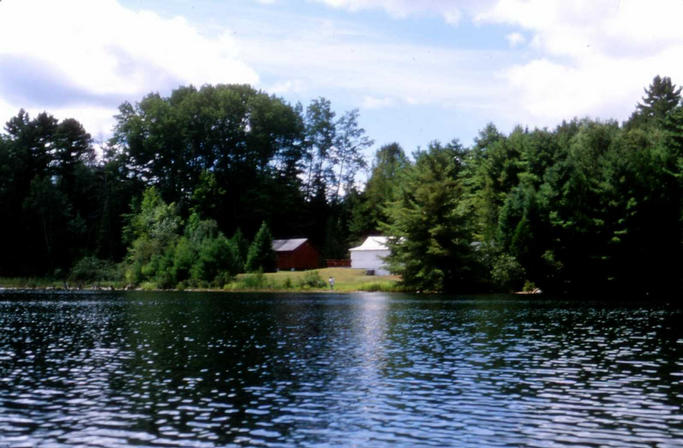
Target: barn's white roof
x=287, y=245
x=373, y=243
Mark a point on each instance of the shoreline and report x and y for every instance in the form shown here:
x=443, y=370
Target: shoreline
x=91, y=289
x=212, y=290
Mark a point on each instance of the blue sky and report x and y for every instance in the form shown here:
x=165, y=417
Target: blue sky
x=416, y=70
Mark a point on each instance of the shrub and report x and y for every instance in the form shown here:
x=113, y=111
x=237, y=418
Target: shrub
x=507, y=273
x=312, y=279
x=93, y=269
x=216, y=257
x=254, y=281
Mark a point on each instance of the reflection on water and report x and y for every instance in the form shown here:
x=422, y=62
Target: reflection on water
x=177, y=369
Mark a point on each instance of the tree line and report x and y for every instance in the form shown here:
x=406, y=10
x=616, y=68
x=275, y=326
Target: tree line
x=590, y=205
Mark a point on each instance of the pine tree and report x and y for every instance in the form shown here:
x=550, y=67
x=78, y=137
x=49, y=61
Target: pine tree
x=430, y=224
x=661, y=97
x=261, y=256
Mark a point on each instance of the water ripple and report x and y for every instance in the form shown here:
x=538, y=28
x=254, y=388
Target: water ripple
x=162, y=370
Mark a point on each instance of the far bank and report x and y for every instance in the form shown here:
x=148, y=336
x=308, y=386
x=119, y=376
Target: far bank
x=343, y=280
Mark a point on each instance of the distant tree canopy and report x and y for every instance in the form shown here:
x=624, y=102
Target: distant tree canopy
x=386, y=176
x=241, y=157
x=231, y=152
x=165, y=252
x=590, y=206
x=49, y=194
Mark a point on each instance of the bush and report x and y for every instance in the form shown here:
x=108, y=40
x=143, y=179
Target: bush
x=312, y=279
x=216, y=257
x=529, y=286
x=148, y=286
x=507, y=273
x=93, y=269
x=254, y=281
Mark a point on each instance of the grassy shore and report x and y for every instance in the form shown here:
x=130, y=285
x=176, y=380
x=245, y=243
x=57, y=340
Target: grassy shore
x=346, y=280
x=51, y=283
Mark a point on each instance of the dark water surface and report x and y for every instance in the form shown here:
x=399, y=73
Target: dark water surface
x=196, y=369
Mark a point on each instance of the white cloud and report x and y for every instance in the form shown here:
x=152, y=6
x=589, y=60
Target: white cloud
x=594, y=58
x=515, y=39
x=452, y=11
x=586, y=57
x=286, y=87
x=371, y=102
x=101, y=52
x=613, y=27
x=83, y=57
x=375, y=73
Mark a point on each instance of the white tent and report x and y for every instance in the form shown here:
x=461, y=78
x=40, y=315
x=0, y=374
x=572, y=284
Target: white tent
x=370, y=255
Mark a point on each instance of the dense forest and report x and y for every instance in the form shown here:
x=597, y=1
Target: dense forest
x=191, y=188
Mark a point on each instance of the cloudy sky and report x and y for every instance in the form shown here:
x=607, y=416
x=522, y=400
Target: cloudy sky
x=418, y=70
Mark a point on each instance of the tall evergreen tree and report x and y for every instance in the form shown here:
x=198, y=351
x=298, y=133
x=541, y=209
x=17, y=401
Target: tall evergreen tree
x=430, y=223
x=661, y=97
x=261, y=256
x=48, y=192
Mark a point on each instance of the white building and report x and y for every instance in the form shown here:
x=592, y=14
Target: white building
x=370, y=255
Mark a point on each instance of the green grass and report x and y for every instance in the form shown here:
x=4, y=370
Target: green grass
x=345, y=280
x=30, y=282
x=51, y=283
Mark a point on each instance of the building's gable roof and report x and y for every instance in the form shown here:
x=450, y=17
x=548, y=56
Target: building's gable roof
x=288, y=245
x=373, y=243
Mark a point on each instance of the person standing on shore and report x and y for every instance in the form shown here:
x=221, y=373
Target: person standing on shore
x=331, y=281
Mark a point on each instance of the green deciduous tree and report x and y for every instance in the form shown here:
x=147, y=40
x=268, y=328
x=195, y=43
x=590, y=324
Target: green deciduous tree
x=368, y=211
x=153, y=231
x=230, y=152
x=347, y=154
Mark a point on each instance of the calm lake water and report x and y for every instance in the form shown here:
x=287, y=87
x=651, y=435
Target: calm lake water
x=196, y=369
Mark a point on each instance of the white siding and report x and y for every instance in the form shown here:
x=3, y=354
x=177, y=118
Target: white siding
x=370, y=259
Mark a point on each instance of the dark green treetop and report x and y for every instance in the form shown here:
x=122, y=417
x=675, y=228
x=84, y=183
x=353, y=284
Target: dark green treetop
x=261, y=256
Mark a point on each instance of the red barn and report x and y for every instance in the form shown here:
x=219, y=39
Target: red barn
x=297, y=253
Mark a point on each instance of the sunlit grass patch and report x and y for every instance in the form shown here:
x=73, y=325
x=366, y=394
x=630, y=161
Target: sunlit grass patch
x=345, y=280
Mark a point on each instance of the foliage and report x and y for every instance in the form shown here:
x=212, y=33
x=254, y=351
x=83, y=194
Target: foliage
x=48, y=194
x=229, y=152
x=261, y=256
x=241, y=245
x=255, y=280
x=506, y=273
x=312, y=279
x=160, y=255
x=587, y=206
x=661, y=97
x=381, y=188
x=92, y=269
x=591, y=206
x=153, y=232
x=430, y=223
